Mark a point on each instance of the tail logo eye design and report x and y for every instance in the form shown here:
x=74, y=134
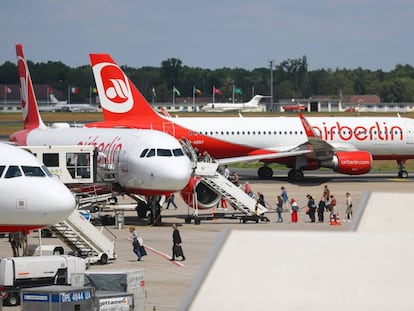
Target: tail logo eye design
x=113, y=88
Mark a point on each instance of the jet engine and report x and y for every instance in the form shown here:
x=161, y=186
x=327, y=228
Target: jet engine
x=350, y=162
x=206, y=198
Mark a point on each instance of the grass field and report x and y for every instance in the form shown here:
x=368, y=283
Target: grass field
x=11, y=122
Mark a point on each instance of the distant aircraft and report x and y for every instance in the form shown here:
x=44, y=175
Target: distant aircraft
x=347, y=145
x=56, y=105
x=294, y=108
x=146, y=162
x=251, y=105
x=31, y=198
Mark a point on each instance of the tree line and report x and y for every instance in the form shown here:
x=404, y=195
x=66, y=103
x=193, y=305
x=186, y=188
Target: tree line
x=291, y=79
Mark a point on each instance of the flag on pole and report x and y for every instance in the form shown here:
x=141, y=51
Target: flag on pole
x=7, y=90
x=217, y=91
x=154, y=94
x=196, y=91
x=238, y=91
x=176, y=91
x=93, y=90
x=74, y=90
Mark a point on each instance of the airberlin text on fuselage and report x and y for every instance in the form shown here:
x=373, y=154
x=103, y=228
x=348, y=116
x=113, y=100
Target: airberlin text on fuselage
x=111, y=150
x=376, y=131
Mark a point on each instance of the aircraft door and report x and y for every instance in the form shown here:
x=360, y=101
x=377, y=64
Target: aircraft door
x=410, y=135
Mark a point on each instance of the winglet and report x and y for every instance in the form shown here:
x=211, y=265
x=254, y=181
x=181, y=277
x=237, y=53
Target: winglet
x=310, y=132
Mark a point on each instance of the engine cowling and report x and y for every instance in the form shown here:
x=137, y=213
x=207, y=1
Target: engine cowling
x=352, y=162
x=206, y=198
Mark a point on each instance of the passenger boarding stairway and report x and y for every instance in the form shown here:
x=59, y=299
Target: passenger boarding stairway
x=237, y=198
x=85, y=239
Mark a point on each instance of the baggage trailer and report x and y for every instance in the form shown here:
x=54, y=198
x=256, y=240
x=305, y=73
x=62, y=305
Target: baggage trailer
x=17, y=273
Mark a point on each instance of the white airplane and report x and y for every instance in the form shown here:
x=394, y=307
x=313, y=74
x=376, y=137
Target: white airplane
x=347, y=145
x=146, y=162
x=56, y=105
x=251, y=105
x=31, y=198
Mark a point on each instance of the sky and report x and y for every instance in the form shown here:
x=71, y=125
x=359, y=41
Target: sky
x=371, y=34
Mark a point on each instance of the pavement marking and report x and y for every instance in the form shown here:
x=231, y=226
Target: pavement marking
x=164, y=255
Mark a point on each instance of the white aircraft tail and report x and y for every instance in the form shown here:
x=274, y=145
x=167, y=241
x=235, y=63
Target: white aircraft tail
x=255, y=101
x=53, y=100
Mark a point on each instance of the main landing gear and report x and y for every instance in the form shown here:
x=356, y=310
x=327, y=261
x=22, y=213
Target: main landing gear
x=267, y=172
x=402, y=173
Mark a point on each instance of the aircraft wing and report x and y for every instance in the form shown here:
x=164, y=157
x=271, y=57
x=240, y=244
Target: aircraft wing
x=267, y=156
x=314, y=148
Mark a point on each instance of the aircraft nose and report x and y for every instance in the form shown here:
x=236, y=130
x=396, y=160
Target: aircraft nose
x=61, y=202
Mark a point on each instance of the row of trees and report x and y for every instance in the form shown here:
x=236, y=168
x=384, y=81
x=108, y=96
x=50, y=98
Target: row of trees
x=291, y=79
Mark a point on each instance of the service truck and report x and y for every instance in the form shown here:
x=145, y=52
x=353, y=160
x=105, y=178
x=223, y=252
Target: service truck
x=33, y=271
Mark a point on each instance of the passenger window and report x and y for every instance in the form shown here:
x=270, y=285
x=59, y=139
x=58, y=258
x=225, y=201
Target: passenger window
x=164, y=153
x=2, y=167
x=33, y=171
x=151, y=153
x=13, y=171
x=178, y=152
x=143, y=153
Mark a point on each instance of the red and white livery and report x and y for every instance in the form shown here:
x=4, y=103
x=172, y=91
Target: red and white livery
x=145, y=161
x=345, y=144
x=31, y=198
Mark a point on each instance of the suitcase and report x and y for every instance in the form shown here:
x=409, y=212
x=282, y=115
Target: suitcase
x=178, y=251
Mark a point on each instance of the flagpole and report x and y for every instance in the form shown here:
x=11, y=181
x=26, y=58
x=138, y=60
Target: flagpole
x=5, y=94
x=194, y=99
x=69, y=94
x=173, y=91
x=234, y=92
x=214, y=96
x=90, y=95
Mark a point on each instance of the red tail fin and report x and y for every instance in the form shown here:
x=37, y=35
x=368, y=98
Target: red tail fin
x=119, y=97
x=31, y=114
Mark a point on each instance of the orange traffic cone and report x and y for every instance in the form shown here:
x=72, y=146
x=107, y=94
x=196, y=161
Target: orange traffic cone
x=338, y=220
x=332, y=220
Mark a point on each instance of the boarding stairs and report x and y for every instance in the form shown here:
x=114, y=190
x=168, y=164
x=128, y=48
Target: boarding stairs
x=84, y=239
x=93, y=197
x=237, y=198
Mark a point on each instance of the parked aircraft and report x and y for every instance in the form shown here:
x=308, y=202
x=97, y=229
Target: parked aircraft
x=31, y=198
x=294, y=107
x=56, y=105
x=144, y=161
x=251, y=105
x=345, y=144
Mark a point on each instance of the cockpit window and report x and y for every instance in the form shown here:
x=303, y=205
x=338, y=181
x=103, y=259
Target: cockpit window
x=143, y=153
x=33, y=171
x=164, y=153
x=2, y=167
x=151, y=153
x=178, y=152
x=46, y=170
x=13, y=171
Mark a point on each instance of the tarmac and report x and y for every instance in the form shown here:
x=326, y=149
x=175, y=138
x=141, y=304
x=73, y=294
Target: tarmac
x=167, y=282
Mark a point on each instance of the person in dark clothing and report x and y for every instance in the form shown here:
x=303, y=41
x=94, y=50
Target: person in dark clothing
x=170, y=200
x=177, y=250
x=311, y=207
x=321, y=209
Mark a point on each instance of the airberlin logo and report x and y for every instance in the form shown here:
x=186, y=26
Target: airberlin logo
x=113, y=87
x=110, y=149
x=374, y=132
